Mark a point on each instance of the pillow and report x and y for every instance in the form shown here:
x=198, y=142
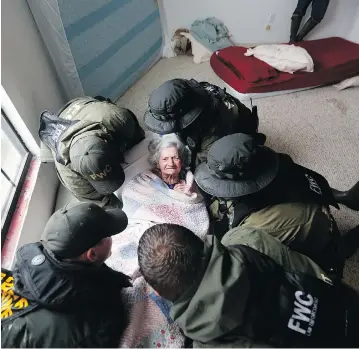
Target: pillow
x=351, y=82
x=250, y=69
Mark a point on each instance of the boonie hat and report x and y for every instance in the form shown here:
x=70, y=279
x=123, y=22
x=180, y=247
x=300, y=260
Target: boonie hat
x=175, y=105
x=97, y=160
x=75, y=228
x=237, y=165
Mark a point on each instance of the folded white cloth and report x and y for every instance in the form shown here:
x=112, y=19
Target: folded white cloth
x=285, y=58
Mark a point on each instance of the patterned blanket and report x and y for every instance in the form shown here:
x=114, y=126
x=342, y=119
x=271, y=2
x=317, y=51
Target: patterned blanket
x=150, y=325
x=148, y=198
x=148, y=201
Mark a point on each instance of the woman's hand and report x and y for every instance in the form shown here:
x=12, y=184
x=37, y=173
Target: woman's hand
x=180, y=187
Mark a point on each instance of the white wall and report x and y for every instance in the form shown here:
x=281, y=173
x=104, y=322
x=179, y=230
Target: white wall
x=354, y=32
x=247, y=19
x=41, y=205
x=29, y=79
x=27, y=73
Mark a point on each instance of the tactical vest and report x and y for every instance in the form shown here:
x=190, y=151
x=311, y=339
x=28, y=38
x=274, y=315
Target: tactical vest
x=293, y=183
x=239, y=118
x=125, y=130
x=86, y=116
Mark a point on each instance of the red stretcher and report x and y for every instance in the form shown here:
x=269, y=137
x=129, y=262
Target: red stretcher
x=335, y=59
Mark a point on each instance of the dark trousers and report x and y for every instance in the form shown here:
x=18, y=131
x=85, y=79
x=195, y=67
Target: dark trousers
x=319, y=8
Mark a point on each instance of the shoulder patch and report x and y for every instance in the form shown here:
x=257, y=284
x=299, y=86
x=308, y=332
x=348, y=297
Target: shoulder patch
x=38, y=260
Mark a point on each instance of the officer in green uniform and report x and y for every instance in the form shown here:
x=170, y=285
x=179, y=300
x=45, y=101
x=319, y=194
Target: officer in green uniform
x=200, y=113
x=246, y=291
x=251, y=185
x=88, y=138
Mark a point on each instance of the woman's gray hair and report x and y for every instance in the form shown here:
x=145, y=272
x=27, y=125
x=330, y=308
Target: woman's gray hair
x=166, y=141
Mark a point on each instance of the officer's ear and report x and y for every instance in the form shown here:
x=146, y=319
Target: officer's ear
x=91, y=255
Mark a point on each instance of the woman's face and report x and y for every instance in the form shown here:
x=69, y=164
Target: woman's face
x=170, y=162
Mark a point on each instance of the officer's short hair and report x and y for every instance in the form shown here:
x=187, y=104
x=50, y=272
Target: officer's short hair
x=170, y=258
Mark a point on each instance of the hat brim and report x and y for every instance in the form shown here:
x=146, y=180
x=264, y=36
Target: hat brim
x=154, y=124
x=117, y=222
x=265, y=172
x=109, y=186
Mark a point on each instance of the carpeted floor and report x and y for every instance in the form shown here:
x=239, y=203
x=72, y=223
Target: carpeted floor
x=319, y=128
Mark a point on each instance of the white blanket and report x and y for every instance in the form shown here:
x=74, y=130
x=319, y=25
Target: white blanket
x=285, y=58
x=148, y=198
x=147, y=201
x=150, y=325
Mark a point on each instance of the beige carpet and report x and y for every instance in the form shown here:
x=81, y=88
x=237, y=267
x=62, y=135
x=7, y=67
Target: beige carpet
x=319, y=128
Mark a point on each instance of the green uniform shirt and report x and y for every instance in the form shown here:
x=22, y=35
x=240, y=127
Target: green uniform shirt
x=102, y=119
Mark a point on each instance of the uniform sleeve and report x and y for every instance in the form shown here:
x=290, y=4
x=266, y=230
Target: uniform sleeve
x=77, y=185
x=290, y=260
x=16, y=334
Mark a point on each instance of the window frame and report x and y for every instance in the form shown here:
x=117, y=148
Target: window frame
x=22, y=173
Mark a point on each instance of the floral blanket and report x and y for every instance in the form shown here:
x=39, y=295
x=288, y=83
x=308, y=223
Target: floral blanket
x=148, y=201
x=148, y=198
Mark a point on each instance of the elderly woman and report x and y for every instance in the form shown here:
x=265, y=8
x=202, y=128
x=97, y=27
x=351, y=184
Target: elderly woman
x=166, y=192
x=170, y=159
x=163, y=193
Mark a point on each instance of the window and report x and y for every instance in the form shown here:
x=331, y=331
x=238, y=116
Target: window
x=15, y=160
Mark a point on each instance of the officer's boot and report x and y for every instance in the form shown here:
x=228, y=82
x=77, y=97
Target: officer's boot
x=296, y=19
x=308, y=26
x=260, y=137
x=349, y=198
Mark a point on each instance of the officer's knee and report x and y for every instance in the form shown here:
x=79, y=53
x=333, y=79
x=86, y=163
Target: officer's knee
x=297, y=13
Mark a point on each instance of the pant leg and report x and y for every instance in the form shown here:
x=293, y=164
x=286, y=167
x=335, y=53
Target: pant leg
x=301, y=7
x=319, y=8
x=305, y=228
